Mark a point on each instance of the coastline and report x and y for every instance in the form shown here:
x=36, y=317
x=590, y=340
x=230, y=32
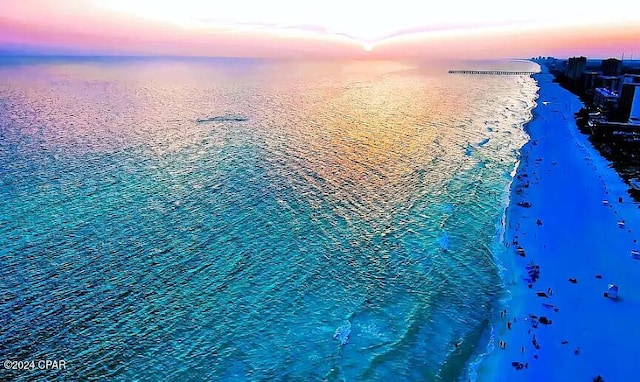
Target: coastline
x=568, y=232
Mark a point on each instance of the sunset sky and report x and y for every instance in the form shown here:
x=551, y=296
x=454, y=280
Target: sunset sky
x=332, y=28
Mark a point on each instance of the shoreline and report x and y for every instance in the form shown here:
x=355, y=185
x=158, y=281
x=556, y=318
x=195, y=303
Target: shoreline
x=569, y=233
x=487, y=344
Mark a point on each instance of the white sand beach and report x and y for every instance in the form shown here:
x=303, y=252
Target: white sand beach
x=570, y=230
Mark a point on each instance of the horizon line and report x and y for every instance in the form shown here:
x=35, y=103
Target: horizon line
x=12, y=53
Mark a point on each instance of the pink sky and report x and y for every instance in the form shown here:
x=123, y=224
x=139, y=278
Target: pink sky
x=391, y=29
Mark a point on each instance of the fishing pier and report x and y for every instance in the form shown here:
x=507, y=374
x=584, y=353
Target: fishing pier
x=492, y=72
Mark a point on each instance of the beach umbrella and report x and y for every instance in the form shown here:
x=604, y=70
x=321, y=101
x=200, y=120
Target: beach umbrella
x=612, y=291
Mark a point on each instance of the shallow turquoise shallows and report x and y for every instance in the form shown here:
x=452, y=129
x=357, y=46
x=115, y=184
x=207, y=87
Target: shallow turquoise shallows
x=236, y=219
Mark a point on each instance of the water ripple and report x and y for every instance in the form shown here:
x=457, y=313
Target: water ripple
x=137, y=244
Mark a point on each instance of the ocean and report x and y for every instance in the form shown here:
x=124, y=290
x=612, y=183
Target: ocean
x=251, y=219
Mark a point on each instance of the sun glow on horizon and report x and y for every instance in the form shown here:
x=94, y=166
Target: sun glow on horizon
x=380, y=21
x=382, y=28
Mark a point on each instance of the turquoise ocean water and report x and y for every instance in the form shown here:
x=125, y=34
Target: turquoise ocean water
x=236, y=219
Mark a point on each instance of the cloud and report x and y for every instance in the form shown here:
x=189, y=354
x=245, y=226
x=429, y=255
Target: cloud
x=281, y=27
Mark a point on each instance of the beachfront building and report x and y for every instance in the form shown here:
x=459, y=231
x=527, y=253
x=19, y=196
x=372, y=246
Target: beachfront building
x=575, y=67
x=608, y=82
x=589, y=81
x=605, y=99
x=630, y=102
x=611, y=67
x=634, y=115
x=628, y=79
